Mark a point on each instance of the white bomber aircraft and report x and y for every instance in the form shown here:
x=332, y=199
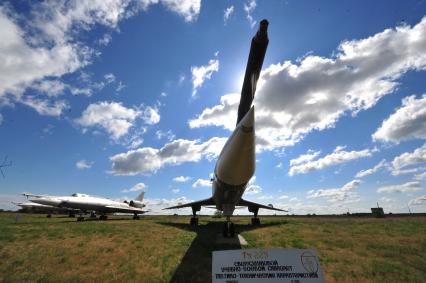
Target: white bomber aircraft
x=32, y=206
x=236, y=163
x=87, y=203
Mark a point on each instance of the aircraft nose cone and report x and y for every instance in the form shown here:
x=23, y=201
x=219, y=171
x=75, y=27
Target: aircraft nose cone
x=248, y=120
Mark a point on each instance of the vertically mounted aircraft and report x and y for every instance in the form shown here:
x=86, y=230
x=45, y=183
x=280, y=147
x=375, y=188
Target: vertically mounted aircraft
x=237, y=161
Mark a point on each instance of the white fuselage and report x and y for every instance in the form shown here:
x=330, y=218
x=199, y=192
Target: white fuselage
x=235, y=166
x=82, y=202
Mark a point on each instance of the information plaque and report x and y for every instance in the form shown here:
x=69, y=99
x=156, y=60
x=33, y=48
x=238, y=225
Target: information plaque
x=266, y=265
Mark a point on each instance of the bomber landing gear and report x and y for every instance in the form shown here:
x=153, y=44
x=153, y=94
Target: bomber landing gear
x=71, y=215
x=194, y=219
x=49, y=215
x=92, y=214
x=103, y=217
x=80, y=218
x=255, y=220
x=136, y=217
x=228, y=228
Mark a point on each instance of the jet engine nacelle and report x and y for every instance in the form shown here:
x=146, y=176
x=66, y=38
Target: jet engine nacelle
x=135, y=203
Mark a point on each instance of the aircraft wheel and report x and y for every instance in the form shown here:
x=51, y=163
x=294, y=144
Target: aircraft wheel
x=231, y=230
x=255, y=221
x=194, y=221
x=225, y=230
x=136, y=217
x=80, y=218
x=49, y=215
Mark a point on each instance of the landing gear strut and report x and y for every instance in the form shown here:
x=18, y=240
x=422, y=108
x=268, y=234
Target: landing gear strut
x=49, y=215
x=194, y=218
x=80, y=218
x=71, y=214
x=228, y=228
x=103, y=217
x=136, y=217
x=92, y=214
x=255, y=220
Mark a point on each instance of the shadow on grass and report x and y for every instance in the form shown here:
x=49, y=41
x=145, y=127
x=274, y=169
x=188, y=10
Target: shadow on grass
x=196, y=264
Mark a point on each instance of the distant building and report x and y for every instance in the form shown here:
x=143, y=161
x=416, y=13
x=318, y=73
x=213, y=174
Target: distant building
x=377, y=212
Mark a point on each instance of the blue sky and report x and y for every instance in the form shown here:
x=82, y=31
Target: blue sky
x=113, y=97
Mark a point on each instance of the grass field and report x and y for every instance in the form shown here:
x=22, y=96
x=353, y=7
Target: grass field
x=165, y=248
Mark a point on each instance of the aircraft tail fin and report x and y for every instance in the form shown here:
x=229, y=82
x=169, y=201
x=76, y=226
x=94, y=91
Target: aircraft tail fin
x=140, y=196
x=259, y=43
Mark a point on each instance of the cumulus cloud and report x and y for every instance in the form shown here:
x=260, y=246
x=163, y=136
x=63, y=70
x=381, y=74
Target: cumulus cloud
x=421, y=200
x=157, y=205
x=151, y=116
x=110, y=116
x=83, y=164
x=227, y=13
x=162, y=134
x=181, y=179
x=408, y=122
x=148, y=159
x=338, y=156
x=44, y=44
x=253, y=189
x=420, y=176
x=408, y=159
x=201, y=73
x=313, y=93
x=310, y=155
x=370, y=171
x=343, y=194
x=135, y=188
x=175, y=191
x=202, y=183
x=401, y=188
x=249, y=8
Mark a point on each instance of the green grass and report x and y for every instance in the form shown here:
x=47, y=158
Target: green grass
x=166, y=248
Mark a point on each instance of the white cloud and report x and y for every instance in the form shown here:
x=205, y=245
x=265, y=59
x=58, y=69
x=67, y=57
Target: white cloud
x=181, y=179
x=313, y=93
x=401, y=188
x=105, y=40
x=156, y=205
x=44, y=44
x=227, y=13
x=370, y=171
x=83, y=164
x=148, y=159
x=109, y=78
x=175, y=191
x=202, y=183
x=249, y=8
x=305, y=157
x=1, y=118
x=111, y=116
x=151, y=116
x=283, y=197
x=421, y=200
x=253, y=189
x=342, y=194
x=407, y=159
x=201, y=73
x=408, y=122
x=420, y=176
x=135, y=188
x=162, y=134
x=338, y=156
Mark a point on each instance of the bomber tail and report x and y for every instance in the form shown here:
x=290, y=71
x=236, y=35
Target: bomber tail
x=259, y=43
x=140, y=196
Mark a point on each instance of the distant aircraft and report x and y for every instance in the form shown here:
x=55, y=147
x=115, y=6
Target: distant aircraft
x=85, y=203
x=36, y=207
x=236, y=163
